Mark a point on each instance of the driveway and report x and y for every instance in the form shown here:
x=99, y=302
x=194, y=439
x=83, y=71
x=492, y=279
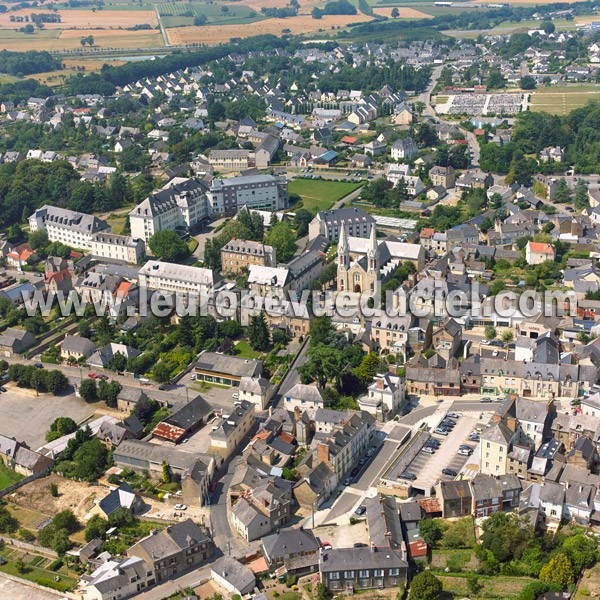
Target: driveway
x=206, y=235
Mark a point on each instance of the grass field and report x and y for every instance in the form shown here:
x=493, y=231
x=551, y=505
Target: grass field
x=29, y=519
x=243, y=350
x=319, y=195
x=8, y=476
x=560, y=101
x=176, y=14
x=492, y=588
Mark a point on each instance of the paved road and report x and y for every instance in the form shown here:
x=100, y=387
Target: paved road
x=219, y=523
x=291, y=377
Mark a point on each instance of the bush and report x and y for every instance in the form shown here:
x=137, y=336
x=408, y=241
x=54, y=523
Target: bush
x=56, y=565
x=26, y=535
x=54, y=585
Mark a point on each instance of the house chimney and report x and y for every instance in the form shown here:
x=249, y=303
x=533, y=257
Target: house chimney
x=373, y=549
x=380, y=384
x=323, y=452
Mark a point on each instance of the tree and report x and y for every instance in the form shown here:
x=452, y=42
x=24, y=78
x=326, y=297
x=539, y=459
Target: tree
x=283, y=239
x=88, y=390
x=395, y=13
x=490, y=333
x=90, y=460
x=368, y=368
x=167, y=245
x=118, y=362
x=161, y=372
x=38, y=239
x=527, y=83
x=582, y=200
x=109, y=392
x=507, y=338
x=559, y=570
x=562, y=193
x=258, y=333
x=54, y=490
x=548, y=27
x=95, y=528
x=301, y=220
x=166, y=475
x=430, y=531
x=321, y=330
x=425, y=586
x=66, y=520
x=59, y=427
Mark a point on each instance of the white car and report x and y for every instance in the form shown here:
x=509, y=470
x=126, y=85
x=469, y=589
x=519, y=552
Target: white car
x=180, y=507
x=485, y=342
x=235, y=395
x=193, y=377
x=495, y=352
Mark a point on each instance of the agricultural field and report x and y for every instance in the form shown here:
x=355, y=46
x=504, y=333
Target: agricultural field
x=405, y=12
x=560, y=101
x=215, y=34
x=319, y=194
x=180, y=15
x=56, y=40
x=72, y=67
x=86, y=19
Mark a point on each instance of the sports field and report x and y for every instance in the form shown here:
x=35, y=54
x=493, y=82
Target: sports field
x=560, y=101
x=320, y=194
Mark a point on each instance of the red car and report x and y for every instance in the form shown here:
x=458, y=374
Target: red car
x=92, y=376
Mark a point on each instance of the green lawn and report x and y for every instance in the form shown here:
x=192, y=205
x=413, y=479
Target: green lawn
x=492, y=588
x=243, y=350
x=8, y=476
x=317, y=194
x=174, y=14
x=35, y=573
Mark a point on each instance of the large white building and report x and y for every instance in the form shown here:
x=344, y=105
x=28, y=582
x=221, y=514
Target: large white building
x=260, y=192
x=69, y=227
x=169, y=277
x=116, y=579
x=180, y=205
x=119, y=247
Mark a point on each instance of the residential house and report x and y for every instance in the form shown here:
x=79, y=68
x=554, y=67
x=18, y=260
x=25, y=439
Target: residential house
x=238, y=255
x=74, y=348
x=229, y=430
x=455, y=498
x=256, y=390
x=175, y=549
x=121, y=497
x=404, y=149
x=15, y=341
x=296, y=550
x=233, y=576
x=225, y=370
x=539, y=252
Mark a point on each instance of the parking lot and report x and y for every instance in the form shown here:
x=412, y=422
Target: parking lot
x=27, y=416
x=428, y=467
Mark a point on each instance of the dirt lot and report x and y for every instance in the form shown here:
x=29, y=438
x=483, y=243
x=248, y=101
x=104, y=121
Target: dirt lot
x=345, y=535
x=589, y=584
x=405, y=12
x=77, y=496
x=86, y=19
x=215, y=34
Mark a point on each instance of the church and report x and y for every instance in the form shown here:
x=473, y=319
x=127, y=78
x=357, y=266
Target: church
x=364, y=264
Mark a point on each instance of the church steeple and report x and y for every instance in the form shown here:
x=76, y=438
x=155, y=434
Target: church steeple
x=373, y=251
x=343, y=249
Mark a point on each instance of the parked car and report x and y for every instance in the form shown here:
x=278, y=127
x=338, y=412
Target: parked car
x=235, y=395
x=38, y=365
x=465, y=452
x=348, y=481
x=450, y=472
x=485, y=399
x=440, y=431
x=406, y=475
x=495, y=352
x=428, y=450
x=361, y=510
x=92, y=376
x=180, y=507
x=326, y=546
x=453, y=415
